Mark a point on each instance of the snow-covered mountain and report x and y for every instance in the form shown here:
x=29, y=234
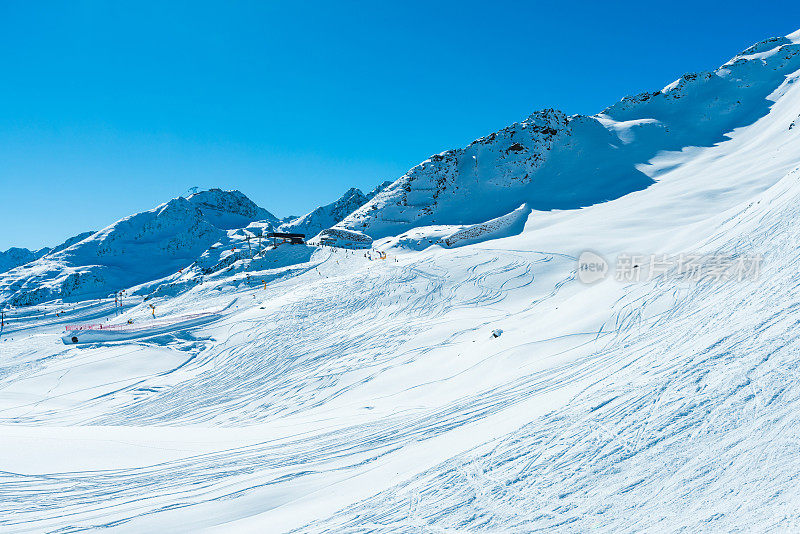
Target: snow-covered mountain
x=331, y=214
x=554, y=161
x=71, y=241
x=229, y=209
x=547, y=161
x=137, y=249
x=16, y=256
x=208, y=231
x=457, y=376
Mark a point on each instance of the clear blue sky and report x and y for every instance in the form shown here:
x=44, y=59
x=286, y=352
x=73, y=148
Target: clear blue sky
x=109, y=108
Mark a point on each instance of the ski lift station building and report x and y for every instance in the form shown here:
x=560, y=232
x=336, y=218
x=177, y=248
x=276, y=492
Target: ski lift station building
x=294, y=239
x=344, y=238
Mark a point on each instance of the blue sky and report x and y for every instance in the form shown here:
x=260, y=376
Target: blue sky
x=110, y=108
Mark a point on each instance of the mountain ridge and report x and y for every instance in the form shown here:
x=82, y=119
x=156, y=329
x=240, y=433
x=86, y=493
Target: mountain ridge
x=548, y=161
x=555, y=161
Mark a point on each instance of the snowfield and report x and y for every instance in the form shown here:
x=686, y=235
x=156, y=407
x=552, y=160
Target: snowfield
x=330, y=389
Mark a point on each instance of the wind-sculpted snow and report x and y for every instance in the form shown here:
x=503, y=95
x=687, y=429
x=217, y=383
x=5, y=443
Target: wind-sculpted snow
x=333, y=390
x=505, y=225
x=343, y=238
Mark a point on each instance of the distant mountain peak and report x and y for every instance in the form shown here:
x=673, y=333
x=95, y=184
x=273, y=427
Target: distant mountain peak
x=229, y=209
x=16, y=256
x=328, y=215
x=139, y=248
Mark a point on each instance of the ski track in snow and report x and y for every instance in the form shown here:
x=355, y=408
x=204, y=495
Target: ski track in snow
x=297, y=370
x=625, y=455
x=612, y=450
x=352, y=395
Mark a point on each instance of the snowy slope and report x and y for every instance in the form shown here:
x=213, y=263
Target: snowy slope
x=145, y=247
x=349, y=394
x=16, y=256
x=229, y=209
x=138, y=248
x=326, y=216
x=331, y=214
x=206, y=231
x=554, y=161
x=71, y=241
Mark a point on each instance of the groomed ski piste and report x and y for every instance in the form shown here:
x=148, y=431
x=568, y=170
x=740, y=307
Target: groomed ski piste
x=350, y=393
x=116, y=331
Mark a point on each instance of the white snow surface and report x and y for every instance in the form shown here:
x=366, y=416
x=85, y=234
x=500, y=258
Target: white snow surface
x=16, y=256
x=229, y=209
x=137, y=249
x=554, y=161
x=326, y=216
x=341, y=393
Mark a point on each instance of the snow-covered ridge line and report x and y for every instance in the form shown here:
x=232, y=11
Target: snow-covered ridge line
x=554, y=161
x=229, y=209
x=16, y=256
x=548, y=161
x=340, y=394
x=326, y=216
x=139, y=248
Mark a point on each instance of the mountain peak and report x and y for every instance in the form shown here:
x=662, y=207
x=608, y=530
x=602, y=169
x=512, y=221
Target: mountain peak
x=328, y=215
x=554, y=161
x=229, y=209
